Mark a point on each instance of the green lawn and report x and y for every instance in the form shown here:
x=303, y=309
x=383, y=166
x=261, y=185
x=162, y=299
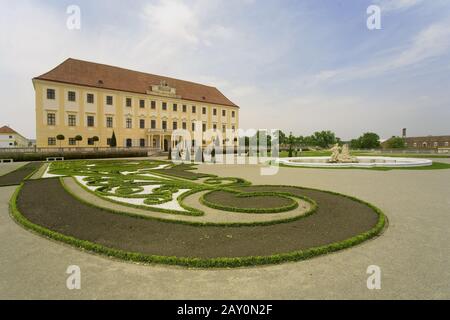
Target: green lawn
x=402, y=155
x=325, y=153
x=434, y=166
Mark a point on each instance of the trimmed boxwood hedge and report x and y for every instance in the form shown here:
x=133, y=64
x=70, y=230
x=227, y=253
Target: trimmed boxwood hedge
x=312, y=210
x=210, y=204
x=225, y=262
x=38, y=156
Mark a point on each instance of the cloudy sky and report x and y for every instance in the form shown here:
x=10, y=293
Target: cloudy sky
x=300, y=66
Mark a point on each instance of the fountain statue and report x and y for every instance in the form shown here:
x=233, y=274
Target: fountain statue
x=341, y=155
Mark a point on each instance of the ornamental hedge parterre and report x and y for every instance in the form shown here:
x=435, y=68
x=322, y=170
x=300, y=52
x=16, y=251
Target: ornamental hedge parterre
x=125, y=182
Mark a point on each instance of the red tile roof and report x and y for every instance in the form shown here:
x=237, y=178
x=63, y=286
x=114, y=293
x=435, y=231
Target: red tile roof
x=97, y=75
x=6, y=129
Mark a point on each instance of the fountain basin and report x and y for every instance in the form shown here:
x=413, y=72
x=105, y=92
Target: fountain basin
x=363, y=162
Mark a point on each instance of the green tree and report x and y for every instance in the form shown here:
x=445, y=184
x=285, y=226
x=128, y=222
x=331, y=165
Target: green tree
x=355, y=143
x=95, y=139
x=291, y=143
x=281, y=137
x=60, y=138
x=78, y=138
x=324, y=139
x=369, y=140
x=113, y=142
x=396, y=143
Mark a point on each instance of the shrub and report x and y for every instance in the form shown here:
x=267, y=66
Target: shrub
x=41, y=156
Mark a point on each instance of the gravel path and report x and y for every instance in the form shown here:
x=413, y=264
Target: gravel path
x=8, y=167
x=16, y=176
x=413, y=253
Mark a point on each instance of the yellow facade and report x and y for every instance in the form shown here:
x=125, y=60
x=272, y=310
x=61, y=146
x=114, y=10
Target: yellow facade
x=71, y=117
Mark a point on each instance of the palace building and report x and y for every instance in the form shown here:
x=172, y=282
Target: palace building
x=91, y=100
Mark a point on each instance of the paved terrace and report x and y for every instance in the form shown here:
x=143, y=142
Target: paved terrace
x=413, y=253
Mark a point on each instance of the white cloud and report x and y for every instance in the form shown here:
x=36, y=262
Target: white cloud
x=432, y=42
x=397, y=5
x=175, y=20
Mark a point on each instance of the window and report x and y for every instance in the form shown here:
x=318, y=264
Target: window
x=109, y=100
x=214, y=127
x=72, y=141
x=233, y=128
x=51, y=119
x=193, y=126
x=51, y=141
x=129, y=143
x=164, y=106
x=109, y=122
x=90, y=98
x=175, y=107
x=108, y=141
x=184, y=125
x=71, y=96
x=232, y=114
x=153, y=104
x=224, y=128
x=142, y=123
x=90, y=121
x=90, y=141
x=204, y=126
x=128, y=102
x=203, y=110
x=164, y=125
x=224, y=113
x=128, y=123
x=141, y=103
x=51, y=94
x=194, y=109
x=72, y=120
x=153, y=124
x=214, y=112
x=142, y=142
x=184, y=108
x=174, y=125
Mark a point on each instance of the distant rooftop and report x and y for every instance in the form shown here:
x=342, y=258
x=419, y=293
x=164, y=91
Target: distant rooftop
x=6, y=129
x=84, y=73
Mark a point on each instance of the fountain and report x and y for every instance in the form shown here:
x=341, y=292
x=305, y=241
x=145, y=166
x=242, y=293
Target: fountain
x=341, y=155
x=341, y=158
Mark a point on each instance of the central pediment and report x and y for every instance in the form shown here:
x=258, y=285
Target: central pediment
x=163, y=89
